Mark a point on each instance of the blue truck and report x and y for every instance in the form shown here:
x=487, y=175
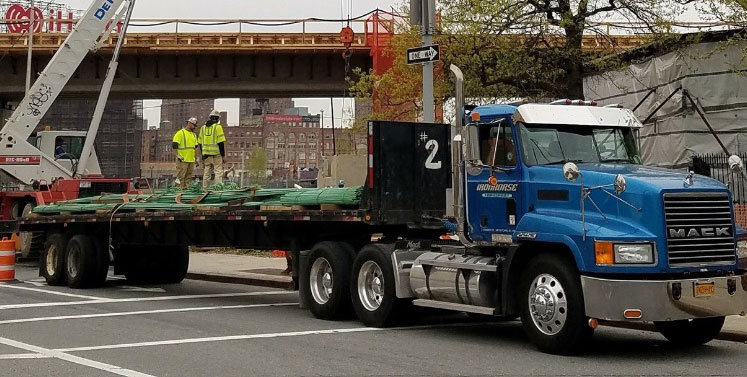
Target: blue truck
x=541, y=212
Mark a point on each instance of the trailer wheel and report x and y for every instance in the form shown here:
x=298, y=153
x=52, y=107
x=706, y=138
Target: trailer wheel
x=80, y=262
x=52, y=259
x=141, y=266
x=691, y=332
x=552, y=306
x=328, y=278
x=30, y=244
x=372, y=287
x=176, y=264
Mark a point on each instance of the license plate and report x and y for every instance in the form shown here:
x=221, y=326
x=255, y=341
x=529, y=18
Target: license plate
x=705, y=289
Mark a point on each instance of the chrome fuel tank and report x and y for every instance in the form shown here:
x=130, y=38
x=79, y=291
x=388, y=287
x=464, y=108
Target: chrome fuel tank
x=462, y=279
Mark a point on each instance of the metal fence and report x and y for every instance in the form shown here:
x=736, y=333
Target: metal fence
x=717, y=166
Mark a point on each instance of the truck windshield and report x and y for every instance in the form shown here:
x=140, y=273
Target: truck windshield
x=558, y=144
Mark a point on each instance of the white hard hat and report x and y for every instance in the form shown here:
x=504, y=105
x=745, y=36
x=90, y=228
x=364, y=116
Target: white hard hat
x=215, y=113
x=192, y=120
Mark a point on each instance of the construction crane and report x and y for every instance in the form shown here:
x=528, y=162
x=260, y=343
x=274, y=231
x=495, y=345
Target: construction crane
x=47, y=166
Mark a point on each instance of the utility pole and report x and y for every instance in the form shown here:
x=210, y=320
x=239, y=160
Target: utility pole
x=321, y=127
x=423, y=13
x=334, y=143
x=31, y=45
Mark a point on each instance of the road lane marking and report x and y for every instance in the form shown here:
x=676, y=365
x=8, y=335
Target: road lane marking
x=141, y=312
x=74, y=359
x=142, y=299
x=19, y=356
x=5, y=285
x=265, y=336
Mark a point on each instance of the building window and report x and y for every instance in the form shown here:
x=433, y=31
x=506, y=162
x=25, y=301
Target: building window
x=302, y=156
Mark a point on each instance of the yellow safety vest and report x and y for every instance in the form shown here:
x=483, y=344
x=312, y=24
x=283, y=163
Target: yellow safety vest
x=187, y=142
x=209, y=138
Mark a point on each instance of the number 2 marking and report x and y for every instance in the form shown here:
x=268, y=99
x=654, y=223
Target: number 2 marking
x=432, y=146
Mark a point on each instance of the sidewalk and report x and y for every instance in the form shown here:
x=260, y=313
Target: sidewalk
x=239, y=269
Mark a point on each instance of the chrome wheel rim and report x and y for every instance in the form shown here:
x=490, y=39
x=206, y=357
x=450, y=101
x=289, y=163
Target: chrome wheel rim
x=51, y=262
x=72, y=262
x=548, y=305
x=320, y=280
x=370, y=285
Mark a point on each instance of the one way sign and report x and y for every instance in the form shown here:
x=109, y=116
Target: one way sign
x=425, y=54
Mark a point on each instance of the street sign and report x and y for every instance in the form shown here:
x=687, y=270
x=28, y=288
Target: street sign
x=425, y=54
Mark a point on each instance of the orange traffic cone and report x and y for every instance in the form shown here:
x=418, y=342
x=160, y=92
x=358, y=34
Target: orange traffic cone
x=7, y=260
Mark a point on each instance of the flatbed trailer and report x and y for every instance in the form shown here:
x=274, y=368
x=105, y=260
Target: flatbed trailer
x=135, y=240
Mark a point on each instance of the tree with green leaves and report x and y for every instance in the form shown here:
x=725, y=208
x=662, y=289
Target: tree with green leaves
x=256, y=165
x=511, y=49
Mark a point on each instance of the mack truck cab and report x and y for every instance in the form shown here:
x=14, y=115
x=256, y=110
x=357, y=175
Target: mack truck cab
x=561, y=225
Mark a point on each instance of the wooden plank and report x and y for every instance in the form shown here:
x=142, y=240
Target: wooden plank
x=275, y=208
x=330, y=207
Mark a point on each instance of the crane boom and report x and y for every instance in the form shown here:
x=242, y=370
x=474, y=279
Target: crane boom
x=17, y=156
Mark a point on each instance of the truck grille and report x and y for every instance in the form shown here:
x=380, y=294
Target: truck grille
x=700, y=230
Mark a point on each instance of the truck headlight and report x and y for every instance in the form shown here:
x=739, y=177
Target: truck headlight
x=634, y=253
x=610, y=253
x=742, y=249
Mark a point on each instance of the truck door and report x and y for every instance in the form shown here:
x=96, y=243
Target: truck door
x=493, y=198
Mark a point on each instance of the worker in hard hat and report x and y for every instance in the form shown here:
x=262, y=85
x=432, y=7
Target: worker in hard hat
x=212, y=144
x=184, y=144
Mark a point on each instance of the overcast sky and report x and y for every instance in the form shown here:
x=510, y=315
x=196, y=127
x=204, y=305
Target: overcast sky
x=254, y=9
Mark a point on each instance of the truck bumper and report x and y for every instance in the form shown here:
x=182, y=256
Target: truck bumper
x=663, y=300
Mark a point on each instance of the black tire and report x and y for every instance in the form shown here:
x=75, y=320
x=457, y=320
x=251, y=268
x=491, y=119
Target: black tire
x=102, y=262
x=326, y=257
x=564, y=329
x=176, y=264
x=80, y=262
x=30, y=244
x=372, y=308
x=52, y=259
x=692, y=332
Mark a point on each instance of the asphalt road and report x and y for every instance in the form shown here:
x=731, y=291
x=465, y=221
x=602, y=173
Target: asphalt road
x=212, y=329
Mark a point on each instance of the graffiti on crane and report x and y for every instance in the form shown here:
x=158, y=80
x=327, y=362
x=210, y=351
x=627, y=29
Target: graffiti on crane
x=39, y=98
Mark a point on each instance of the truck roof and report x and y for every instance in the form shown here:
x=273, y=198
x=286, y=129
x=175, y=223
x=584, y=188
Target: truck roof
x=576, y=115
x=560, y=114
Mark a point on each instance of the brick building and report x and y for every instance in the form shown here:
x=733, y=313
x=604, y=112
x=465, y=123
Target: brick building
x=175, y=112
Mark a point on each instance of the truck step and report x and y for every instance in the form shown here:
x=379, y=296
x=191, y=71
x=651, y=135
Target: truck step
x=454, y=306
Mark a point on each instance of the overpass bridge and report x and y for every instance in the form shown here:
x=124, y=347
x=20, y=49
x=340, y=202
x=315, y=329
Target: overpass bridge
x=188, y=64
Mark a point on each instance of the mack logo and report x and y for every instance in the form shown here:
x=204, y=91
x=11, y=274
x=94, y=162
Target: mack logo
x=504, y=187
x=699, y=232
x=413, y=244
x=104, y=9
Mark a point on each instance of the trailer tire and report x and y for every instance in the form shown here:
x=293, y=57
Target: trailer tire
x=372, y=286
x=328, y=278
x=52, y=259
x=693, y=332
x=80, y=262
x=552, y=306
x=140, y=266
x=176, y=264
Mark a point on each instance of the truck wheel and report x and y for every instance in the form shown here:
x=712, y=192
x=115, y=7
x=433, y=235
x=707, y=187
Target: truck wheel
x=142, y=266
x=372, y=287
x=176, y=263
x=691, y=332
x=552, y=306
x=52, y=259
x=80, y=262
x=30, y=244
x=329, y=276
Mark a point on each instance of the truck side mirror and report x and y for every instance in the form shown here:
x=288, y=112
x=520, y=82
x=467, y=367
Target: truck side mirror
x=571, y=172
x=472, y=143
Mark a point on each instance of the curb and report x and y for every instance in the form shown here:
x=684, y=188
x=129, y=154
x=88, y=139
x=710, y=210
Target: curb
x=730, y=336
x=230, y=279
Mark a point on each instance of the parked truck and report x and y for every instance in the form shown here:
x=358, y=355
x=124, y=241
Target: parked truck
x=557, y=223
